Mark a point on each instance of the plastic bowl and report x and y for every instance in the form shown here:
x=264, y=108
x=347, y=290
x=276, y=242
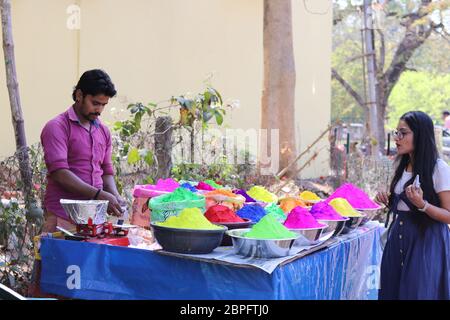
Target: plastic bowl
x=260, y=248
x=334, y=226
x=309, y=236
x=352, y=223
x=192, y=241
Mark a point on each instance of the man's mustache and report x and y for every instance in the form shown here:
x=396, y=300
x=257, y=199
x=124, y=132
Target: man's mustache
x=95, y=114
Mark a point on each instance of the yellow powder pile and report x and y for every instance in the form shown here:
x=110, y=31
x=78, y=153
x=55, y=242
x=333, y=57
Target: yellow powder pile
x=308, y=195
x=262, y=194
x=189, y=218
x=344, y=208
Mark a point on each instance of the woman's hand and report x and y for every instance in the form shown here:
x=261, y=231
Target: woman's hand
x=382, y=197
x=415, y=195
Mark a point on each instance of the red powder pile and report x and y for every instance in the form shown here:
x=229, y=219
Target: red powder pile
x=219, y=213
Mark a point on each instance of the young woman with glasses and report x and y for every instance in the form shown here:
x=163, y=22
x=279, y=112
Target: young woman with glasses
x=416, y=258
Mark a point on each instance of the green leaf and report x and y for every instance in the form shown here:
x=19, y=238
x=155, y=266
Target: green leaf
x=134, y=109
x=149, y=158
x=219, y=118
x=133, y=156
x=117, y=126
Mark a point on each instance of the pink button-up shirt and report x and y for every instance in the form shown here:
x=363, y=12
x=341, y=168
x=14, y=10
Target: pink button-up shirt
x=69, y=145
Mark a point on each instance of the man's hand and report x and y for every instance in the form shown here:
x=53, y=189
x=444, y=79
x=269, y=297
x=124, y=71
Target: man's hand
x=114, y=207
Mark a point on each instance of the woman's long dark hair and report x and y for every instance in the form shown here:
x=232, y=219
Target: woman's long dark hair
x=424, y=156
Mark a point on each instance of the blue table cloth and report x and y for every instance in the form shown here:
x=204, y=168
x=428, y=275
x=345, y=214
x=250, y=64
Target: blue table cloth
x=346, y=270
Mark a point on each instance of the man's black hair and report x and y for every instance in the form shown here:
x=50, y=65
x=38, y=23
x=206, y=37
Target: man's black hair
x=95, y=82
x=446, y=113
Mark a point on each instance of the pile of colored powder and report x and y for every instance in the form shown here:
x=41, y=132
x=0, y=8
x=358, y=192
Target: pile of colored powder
x=323, y=211
x=300, y=218
x=189, y=186
x=164, y=185
x=252, y=212
x=276, y=212
x=189, y=218
x=261, y=194
x=213, y=184
x=221, y=192
x=269, y=228
x=180, y=194
x=355, y=196
x=287, y=204
x=219, y=213
x=204, y=186
x=308, y=195
x=344, y=208
x=245, y=195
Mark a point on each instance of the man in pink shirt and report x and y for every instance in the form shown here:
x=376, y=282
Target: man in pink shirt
x=446, y=119
x=77, y=152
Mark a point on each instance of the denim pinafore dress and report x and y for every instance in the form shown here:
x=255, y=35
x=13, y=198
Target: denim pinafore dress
x=416, y=261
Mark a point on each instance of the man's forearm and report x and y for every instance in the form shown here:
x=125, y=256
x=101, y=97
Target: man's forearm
x=110, y=185
x=70, y=182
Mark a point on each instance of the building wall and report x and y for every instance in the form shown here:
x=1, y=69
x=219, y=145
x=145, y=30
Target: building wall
x=154, y=49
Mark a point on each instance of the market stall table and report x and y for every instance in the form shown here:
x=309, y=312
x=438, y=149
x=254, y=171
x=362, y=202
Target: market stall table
x=345, y=267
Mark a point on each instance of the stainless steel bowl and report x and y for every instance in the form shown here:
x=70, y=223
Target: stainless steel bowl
x=79, y=211
x=334, y=226
x=259, y=248
x=309, y=237
x=352, y=223
x=370, y=214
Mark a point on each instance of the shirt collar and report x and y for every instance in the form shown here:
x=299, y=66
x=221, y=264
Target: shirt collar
x=73, y=117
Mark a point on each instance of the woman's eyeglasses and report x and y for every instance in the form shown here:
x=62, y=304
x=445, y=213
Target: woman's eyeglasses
x=396, y=134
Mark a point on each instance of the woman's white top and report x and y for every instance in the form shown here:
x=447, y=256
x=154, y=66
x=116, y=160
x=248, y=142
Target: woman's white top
x=441, y=181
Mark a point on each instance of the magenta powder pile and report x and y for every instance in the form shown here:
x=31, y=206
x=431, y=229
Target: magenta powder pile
x=204, y=186
x=357, y=198
x=300, y=218
x=323, y=211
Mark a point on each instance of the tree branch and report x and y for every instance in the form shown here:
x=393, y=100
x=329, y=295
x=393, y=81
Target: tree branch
x=414, y=37
x=348, y=88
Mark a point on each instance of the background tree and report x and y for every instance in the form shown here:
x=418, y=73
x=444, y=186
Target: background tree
x=14, y=98
x=401, y=42
x=279, y=79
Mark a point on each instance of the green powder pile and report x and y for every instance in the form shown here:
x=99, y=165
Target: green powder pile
x=269, y=228
x=213, y=184
x=180, y=194
x=276, y=212
x=191, y=218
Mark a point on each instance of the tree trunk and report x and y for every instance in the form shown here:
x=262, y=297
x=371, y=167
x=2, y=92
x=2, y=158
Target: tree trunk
x=163, y=146
x=278, y=110
x=14, y=99
x=371, y=76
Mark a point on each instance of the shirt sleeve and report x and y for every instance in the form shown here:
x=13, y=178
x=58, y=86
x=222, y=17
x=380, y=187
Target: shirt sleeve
x=107, y=165
x=54, y=140
x=441, y=176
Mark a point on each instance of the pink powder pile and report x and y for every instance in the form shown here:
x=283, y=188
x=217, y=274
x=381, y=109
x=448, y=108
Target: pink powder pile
x=355, y=196
x=163, y=186
x=323, y=211
x=204, y=186
x=300, y=218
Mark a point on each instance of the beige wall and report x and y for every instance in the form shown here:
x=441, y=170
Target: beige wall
x=154, y=49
